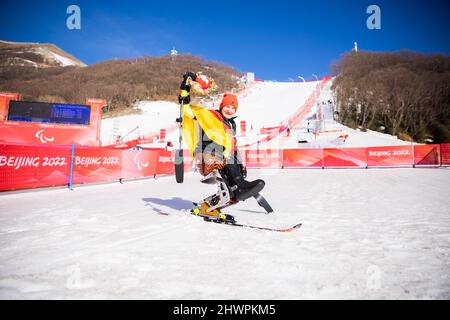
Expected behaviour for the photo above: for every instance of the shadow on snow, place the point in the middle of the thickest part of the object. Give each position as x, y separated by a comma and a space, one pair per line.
173, 203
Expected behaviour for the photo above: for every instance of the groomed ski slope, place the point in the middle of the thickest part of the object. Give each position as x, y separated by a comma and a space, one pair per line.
263, 104
269, 104
366, 234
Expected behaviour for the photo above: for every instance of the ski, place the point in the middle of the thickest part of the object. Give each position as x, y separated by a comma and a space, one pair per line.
282, 230
230, 221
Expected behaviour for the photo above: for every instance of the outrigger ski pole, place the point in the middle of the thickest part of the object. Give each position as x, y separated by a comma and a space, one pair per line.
179, 160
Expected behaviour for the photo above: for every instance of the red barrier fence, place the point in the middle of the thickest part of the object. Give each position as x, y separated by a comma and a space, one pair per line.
303, 158
375, 157
96, 165
30, 166
348, 157
427, 155
393, 156
445, 154
263, 158
24, 166
138, 163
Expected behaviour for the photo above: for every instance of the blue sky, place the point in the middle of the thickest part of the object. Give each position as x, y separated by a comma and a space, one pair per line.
275, 39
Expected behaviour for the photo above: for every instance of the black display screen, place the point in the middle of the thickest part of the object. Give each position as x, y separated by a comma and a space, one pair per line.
49, 112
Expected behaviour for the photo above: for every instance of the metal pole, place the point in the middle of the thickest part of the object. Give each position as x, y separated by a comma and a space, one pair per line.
323, 160
71, 167
180, 136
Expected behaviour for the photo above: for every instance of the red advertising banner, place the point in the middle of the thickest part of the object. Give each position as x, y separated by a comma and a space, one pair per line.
427, 155
445, 154
139, 163
30, 166
188, 160
96, 164
50, 133
302, 158
263, 158
345, 157
393, 156
165, 163
46, 133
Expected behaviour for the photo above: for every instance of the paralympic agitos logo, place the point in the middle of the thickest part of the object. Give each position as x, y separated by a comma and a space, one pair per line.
139, 162
44, 139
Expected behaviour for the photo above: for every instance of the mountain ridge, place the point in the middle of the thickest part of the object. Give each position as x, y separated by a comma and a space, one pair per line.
122, 82
39, 55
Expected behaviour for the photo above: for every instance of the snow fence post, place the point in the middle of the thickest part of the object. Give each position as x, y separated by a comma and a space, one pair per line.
367, 158
323, 160
71, 167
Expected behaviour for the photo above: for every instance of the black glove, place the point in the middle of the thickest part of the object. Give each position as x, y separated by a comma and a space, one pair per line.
184, 96
186, 88
189, 74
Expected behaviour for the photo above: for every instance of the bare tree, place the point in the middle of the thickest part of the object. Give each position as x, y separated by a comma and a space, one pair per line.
406, 93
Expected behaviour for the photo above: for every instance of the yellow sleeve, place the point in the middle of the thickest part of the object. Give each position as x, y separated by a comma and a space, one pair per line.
189, 132
212, 127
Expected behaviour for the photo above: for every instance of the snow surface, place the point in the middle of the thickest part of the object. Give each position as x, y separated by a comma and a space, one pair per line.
25, 62
270, 103
63, 60
155, 115
366, 234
